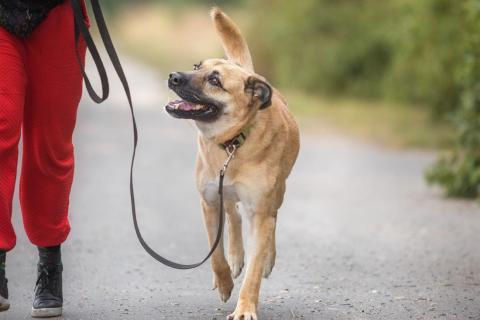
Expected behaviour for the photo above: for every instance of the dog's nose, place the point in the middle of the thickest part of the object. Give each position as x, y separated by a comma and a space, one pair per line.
176, 79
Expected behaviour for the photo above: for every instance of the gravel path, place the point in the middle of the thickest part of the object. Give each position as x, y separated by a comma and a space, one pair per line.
360, 235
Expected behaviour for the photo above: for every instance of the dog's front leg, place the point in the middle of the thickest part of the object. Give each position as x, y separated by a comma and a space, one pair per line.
222, 279
263, 231
235, 239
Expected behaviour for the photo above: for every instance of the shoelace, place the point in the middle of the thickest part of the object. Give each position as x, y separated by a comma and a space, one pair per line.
44, 280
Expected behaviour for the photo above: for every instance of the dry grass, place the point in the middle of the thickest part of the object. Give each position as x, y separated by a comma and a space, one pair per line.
167, 37
391, 125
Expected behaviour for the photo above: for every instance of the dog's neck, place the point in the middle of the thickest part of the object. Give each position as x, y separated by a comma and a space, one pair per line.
215, 134
222, 131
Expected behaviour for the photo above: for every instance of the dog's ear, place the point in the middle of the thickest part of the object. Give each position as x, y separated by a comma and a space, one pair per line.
234, 44
259, 91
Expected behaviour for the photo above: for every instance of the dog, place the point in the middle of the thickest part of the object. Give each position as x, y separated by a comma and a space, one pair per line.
237, 109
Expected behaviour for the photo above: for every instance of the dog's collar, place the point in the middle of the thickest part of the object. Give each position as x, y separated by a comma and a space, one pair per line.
237, 141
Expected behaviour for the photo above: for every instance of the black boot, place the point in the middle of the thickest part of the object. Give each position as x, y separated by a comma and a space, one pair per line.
4, 304
48, 299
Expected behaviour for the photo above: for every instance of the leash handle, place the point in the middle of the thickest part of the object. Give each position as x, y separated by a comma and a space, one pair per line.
82, 29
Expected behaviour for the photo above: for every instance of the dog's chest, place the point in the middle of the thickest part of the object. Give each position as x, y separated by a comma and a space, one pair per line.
210, 192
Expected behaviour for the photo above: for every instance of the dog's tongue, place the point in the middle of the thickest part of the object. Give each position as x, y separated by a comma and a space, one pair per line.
187, 106
182, 105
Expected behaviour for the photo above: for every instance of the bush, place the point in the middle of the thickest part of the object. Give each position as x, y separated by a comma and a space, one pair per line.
401, 50
459, 173
427, 48
323, 46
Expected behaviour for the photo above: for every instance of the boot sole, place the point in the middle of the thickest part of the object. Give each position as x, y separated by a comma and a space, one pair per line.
46, 312
4, 304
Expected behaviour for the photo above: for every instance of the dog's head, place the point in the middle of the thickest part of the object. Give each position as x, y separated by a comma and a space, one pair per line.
220, 94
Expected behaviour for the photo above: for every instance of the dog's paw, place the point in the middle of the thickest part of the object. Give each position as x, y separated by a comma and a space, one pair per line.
244, 312
269, 263
236, 262
224, 284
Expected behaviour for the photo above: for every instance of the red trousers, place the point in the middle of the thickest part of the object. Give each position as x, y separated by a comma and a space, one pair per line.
40, 88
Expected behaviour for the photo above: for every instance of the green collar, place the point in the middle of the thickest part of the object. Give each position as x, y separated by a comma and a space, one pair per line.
237, 141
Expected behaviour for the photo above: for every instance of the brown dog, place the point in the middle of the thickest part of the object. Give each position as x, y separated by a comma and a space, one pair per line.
231, 105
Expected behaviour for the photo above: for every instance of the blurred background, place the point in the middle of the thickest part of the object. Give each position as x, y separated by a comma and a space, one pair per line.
402, 73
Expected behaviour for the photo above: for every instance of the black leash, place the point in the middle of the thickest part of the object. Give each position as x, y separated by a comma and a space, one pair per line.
82, 29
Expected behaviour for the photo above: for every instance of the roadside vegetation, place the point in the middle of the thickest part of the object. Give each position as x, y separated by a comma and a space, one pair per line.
418, 53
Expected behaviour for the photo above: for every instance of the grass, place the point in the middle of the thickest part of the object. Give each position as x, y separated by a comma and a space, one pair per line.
173, 38
390, 125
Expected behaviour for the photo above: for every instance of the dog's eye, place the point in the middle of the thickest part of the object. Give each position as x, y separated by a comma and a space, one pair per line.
214, 81
196, 66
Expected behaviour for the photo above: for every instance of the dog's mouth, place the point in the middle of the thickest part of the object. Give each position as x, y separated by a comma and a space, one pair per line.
196, 110
185, 107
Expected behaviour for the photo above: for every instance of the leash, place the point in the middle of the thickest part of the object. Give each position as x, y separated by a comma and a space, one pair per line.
82, 29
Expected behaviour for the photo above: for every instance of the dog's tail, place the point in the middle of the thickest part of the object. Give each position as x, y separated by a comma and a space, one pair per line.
234, 44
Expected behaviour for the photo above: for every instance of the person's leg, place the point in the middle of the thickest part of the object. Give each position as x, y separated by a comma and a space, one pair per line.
54, 91
55, 87
12, 97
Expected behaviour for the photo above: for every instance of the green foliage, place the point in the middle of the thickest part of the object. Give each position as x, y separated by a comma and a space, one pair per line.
401, 50
427, 47
316, 45
459, 173
424, 53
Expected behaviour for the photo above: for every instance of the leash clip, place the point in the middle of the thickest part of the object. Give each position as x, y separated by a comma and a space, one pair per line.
230, 149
